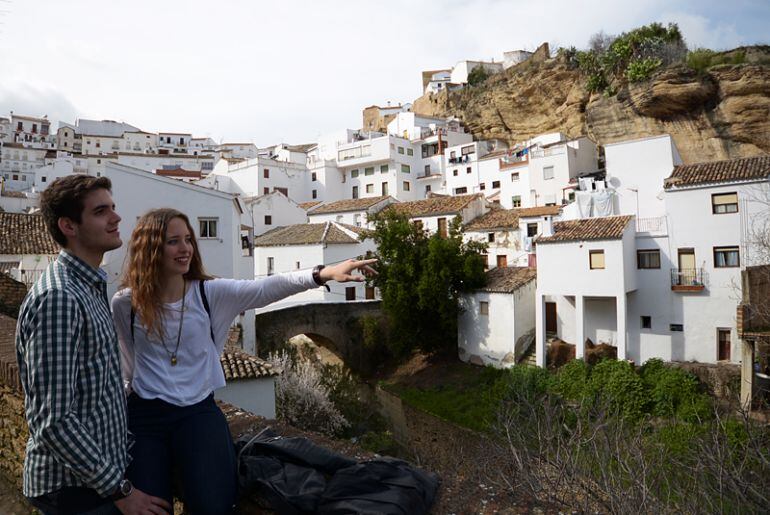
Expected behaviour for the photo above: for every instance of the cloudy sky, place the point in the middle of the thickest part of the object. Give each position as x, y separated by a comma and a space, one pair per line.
267, 72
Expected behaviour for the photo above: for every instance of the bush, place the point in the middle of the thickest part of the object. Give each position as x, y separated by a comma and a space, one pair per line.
641, 69
572, 380
477, 75
618, 384
701, 59
674, 392
301, 398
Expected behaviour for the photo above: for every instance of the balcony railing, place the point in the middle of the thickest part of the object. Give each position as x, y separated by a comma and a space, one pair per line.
651, 225
687, 279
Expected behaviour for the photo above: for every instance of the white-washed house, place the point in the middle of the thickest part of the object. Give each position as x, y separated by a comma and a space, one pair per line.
26, 248
436, 213
496, 322
250, 383
356, 212
499, 229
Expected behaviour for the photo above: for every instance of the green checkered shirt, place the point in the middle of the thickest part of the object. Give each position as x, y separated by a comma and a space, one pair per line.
69, 364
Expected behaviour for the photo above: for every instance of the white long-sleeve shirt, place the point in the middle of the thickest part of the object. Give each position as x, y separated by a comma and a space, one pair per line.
146, 365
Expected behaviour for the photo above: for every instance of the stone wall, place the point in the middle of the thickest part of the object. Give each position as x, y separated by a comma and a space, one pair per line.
12, 292
13, 434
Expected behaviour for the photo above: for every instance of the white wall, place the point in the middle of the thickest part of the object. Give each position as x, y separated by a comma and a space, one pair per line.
283, 212
256, 396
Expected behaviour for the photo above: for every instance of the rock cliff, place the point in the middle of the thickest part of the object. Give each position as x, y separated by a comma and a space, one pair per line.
721, 113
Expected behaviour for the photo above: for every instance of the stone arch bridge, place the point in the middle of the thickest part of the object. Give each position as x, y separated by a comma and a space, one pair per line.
334, 325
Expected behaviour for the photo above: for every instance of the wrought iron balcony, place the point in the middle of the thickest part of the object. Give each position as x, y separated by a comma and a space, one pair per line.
687, 279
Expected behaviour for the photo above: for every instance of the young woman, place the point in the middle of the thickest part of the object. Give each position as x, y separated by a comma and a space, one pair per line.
170, 348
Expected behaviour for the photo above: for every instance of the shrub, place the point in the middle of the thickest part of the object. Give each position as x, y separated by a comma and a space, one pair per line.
674, 392
618, 384
641, 69
572, 380
301, 399
477, 75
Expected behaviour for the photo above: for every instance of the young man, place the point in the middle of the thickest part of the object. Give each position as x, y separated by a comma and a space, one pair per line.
69, 364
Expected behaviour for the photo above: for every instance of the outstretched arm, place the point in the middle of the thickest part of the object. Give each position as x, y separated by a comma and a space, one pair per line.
343, 272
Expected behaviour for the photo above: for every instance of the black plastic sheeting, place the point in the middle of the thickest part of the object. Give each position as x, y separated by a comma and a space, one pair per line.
296, 476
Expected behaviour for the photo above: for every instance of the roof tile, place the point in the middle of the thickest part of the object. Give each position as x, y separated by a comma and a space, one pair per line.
237, 364
307, 234
604, 228
505, 279
538, 211
435, 205
21, 233
495, 219
746, 168
339, 206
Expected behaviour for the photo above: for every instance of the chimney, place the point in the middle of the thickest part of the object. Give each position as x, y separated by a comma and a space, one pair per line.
547, 225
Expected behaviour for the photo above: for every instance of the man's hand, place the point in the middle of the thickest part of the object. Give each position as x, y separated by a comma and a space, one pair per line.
343, 272
139, 503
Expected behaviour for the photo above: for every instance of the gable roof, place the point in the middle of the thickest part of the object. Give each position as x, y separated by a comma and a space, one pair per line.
743, 169
308, 205
600, 228
237, 364
308, 234
21, 233
495, 219
525, 212
504, 279
435, 205
340, 206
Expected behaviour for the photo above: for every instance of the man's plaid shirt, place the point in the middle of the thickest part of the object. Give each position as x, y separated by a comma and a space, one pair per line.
69, 364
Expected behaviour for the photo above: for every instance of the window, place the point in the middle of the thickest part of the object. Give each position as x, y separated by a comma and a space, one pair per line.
452, 154
724, 203
676, 327
350, 293
355, 191
268, 220
467, 150
531, 230
266, 173
384, 189
427, 169
357, 220
483, 308
315, 194
442, 227
482, 186
353, 173
461, 191
265, 191
723, 344
383, 168
313, 177
270, 266
369, 293
427, 189
547, 172
370, 188
646, 322
516, 200
400, 150
495, 185
208, 227
491, 237
726, 257
296, 265
454, 172
515, 176
42, 179
409, 152
405, 169
647, 259
468, 170
407, 186
596, 259
369, 171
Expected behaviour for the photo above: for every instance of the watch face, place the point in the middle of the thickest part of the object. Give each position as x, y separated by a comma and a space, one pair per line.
125, 487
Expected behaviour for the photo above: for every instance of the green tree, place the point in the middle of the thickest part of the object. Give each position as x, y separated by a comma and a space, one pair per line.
420, 279
477, 75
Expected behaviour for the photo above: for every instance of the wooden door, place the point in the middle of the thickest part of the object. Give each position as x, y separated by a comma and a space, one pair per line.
442, 228
502, 261
723, 344
686, 259
550, 317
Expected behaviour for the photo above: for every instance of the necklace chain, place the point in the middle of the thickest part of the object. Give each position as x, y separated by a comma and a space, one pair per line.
172, 355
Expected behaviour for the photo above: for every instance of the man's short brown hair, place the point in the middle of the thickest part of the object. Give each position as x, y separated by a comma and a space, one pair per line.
63, 198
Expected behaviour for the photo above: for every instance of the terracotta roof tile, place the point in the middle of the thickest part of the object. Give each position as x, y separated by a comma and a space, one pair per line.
308, 205
237, 364
746, 168
538, 211
495, 219
604, 228
436, 205
21, 233
505, 279
339, 206
307, 234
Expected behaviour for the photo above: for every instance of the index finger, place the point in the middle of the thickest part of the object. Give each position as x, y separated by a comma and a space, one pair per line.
159, 501
365, 262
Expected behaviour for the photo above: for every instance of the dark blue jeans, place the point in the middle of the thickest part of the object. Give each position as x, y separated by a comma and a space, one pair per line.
72, 500
193, 443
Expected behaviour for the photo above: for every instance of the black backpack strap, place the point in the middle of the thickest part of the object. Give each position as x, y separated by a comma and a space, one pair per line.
133, 319
205, 301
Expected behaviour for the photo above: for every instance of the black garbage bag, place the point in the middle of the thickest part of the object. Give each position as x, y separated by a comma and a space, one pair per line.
296, 476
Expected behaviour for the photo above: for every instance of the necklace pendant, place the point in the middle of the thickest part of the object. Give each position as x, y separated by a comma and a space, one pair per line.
173, 361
